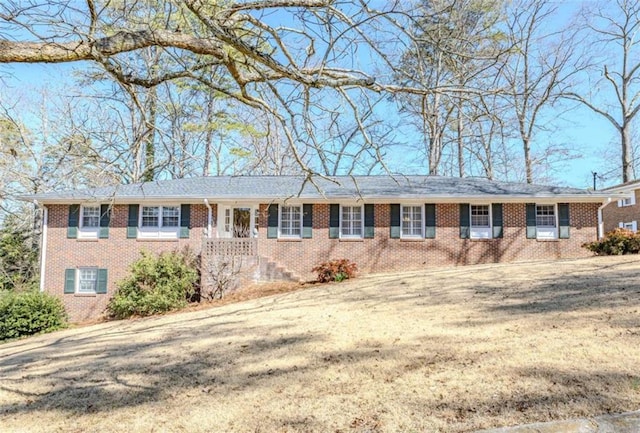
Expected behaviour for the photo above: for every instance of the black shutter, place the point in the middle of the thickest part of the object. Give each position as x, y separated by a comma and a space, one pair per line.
73, 222
185, 220
465, 229
497, 222
369, 221
563, 220
105, 219
334, 221
132, 221
430, 221
272, 221
531, 221
69, 281
394, 221
101, 286
307, 221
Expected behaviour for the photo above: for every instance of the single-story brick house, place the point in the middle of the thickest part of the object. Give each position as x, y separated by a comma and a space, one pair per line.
289, 225
623, 212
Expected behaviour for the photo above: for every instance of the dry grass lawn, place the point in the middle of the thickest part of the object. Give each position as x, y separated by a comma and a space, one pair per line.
446, 350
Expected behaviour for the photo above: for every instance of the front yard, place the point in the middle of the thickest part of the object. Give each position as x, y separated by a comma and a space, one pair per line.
446, 350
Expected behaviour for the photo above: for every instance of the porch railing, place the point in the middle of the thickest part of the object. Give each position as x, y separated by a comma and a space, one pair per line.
231, 247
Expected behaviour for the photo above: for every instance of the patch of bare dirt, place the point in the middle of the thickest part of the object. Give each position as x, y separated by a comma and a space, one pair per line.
444, 350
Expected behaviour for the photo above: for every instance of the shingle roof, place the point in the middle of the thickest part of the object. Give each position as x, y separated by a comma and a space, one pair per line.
317, 188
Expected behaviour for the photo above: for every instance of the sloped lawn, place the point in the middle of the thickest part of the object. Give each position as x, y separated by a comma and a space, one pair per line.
447, 350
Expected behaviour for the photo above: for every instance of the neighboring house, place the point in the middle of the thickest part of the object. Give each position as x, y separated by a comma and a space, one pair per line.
622, 212
287, 226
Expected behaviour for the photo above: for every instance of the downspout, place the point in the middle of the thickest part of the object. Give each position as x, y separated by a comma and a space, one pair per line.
600, 221
206, 203
43, 244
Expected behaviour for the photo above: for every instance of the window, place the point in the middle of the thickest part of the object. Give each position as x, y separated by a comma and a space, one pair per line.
633, 226
291, 221
411, 222
170, 216
480, 216
87, 280
545, 215
227, 220
159, 222
627, 201
90, 217
480, 221
151, 216
351, 222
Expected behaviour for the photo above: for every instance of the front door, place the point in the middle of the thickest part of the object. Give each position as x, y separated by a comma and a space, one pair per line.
241, 222
237, 221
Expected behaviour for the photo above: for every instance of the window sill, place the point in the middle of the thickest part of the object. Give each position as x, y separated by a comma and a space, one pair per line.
85, 295
87, 239
412, 239
481, 239
172, 239
351, 239
547, 240
289, 239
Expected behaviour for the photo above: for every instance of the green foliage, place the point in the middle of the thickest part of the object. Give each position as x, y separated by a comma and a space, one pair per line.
616, 242
335, 270
18, 258
158, 283
28, 313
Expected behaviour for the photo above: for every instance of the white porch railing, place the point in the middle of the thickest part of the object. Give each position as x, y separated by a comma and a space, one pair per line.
230, 247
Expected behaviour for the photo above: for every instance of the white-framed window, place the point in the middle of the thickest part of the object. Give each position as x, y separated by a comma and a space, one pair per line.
290, 221
227, 220
160, 217
546, 221
632, 225
159, 222
627, 201
87, 280
89, 224
351, 222
170, 216
545, 215
480, 218
411, 221
90, 217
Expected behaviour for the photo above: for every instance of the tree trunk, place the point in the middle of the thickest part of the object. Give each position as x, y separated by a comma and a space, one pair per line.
627, 163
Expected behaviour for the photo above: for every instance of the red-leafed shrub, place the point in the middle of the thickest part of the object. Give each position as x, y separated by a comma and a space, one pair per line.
335, 270
616, 242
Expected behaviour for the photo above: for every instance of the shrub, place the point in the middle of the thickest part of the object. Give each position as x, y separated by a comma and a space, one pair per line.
28, 313
615, 242
158, 283
335, 270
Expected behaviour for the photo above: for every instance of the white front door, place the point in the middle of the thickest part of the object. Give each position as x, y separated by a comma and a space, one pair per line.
237, 221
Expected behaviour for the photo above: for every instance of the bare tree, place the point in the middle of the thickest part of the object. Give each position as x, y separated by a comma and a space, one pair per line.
455, 45
236, 49
537, 74
613, 91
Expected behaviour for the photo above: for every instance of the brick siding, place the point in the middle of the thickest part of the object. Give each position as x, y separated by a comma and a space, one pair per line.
380, 254
612, 215
114, 254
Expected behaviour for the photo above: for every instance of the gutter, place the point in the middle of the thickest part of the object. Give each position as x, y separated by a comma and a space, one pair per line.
600, 221
43, 244
206, 203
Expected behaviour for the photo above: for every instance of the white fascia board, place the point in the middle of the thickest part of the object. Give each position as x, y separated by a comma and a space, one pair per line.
489, 198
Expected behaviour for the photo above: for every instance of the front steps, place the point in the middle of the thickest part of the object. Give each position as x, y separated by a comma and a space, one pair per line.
271, 271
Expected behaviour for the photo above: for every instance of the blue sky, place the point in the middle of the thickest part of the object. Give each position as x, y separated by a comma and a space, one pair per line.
588, 134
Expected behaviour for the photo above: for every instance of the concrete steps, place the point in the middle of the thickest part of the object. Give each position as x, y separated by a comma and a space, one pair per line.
272, 271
